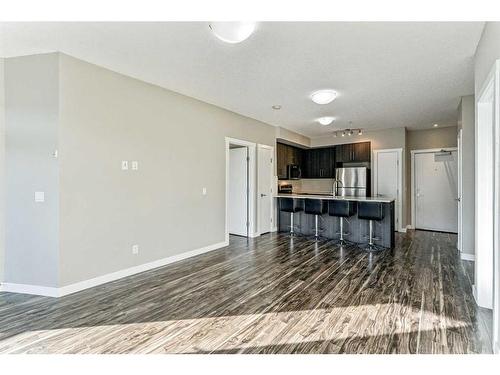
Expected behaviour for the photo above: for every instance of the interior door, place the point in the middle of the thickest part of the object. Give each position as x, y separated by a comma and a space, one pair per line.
238, 191
436, 191
264, 170
387, 178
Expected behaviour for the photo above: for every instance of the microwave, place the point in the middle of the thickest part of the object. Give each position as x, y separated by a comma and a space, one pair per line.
293, 172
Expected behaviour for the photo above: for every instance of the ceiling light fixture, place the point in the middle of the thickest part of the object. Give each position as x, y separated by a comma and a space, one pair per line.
327, 120
360, 132
277, 107
436, 125
323, 96
343, 134
232, 32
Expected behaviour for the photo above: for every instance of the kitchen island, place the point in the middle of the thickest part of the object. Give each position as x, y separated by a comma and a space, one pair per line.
330, 225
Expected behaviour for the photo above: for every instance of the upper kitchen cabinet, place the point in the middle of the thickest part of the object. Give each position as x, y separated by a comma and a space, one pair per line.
353, 153
285, 155
319, 163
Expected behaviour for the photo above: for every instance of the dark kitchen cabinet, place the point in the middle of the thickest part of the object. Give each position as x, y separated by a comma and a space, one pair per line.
353, 152
319, 163
285, 155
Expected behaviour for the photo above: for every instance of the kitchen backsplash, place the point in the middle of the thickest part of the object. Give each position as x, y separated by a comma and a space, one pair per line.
323, 185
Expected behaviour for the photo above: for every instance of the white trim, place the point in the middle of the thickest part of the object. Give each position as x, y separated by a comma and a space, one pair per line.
273, 187
30, 289
412, 171
76, 287
465, 256
252, 189
409, 226
399, 151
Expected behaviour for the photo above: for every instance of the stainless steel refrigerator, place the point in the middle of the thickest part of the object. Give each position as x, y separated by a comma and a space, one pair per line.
352, 182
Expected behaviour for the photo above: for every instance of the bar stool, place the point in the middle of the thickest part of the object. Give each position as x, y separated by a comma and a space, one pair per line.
315, 207
292, 206
341, 209
372, 211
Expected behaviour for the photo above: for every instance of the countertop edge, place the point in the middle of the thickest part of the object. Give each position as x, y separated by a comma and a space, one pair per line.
327, 197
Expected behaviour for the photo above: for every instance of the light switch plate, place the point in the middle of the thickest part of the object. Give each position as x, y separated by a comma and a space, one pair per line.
204, 191
135, 249
135, 165
124, 165
39, 196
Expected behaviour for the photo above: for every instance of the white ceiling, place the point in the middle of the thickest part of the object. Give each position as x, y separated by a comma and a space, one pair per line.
387, 74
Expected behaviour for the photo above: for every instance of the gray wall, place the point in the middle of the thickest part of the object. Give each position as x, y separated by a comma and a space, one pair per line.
466, 117
2, 170
179, 142
487, 52
31, 100
423, 139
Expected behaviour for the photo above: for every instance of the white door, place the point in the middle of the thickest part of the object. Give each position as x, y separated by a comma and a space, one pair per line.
238, 191
436, 191
388, 178
265, 170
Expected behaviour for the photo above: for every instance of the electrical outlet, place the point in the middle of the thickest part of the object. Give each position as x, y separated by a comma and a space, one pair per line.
124, 165
135, 249
135, 165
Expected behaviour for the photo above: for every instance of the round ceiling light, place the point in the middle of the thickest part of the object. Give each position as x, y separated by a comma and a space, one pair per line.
232, 32
326, 120
276, 107
323, 96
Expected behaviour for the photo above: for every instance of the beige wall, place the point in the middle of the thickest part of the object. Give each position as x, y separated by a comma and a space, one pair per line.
290, 136
180, 145
421, 140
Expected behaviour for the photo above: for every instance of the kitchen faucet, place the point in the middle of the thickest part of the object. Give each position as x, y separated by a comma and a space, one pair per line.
335, 186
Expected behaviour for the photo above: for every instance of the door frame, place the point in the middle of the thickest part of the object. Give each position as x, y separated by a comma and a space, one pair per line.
272, 182
487, 203
460, 189
412, 167
252, 189
399, 209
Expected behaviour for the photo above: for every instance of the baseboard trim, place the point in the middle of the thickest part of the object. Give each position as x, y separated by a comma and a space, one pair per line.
409, 226
82, 285
465, 256
274, 229
30, 289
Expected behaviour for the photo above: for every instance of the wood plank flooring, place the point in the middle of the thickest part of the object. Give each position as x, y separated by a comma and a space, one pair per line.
272, 294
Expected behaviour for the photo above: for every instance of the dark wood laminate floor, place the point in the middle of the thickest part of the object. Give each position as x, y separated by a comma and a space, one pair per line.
268, 295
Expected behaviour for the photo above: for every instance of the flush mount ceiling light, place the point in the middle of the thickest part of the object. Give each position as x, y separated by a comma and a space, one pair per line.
327, 120
323, 96
232, 32
435, 125
276, 107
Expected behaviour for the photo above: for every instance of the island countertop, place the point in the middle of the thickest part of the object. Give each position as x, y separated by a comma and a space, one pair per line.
331, 197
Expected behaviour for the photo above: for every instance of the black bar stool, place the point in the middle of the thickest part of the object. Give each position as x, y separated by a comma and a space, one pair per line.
292, 206
372, 211
341, 209
315, 207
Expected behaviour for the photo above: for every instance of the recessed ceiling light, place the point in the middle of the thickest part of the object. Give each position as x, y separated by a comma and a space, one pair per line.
276, 107
327, 120
436, 125
232, 32
323, 96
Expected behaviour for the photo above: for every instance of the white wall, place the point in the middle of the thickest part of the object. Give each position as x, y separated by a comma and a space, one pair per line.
2, 170
32, 109
179, 142
466, 117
